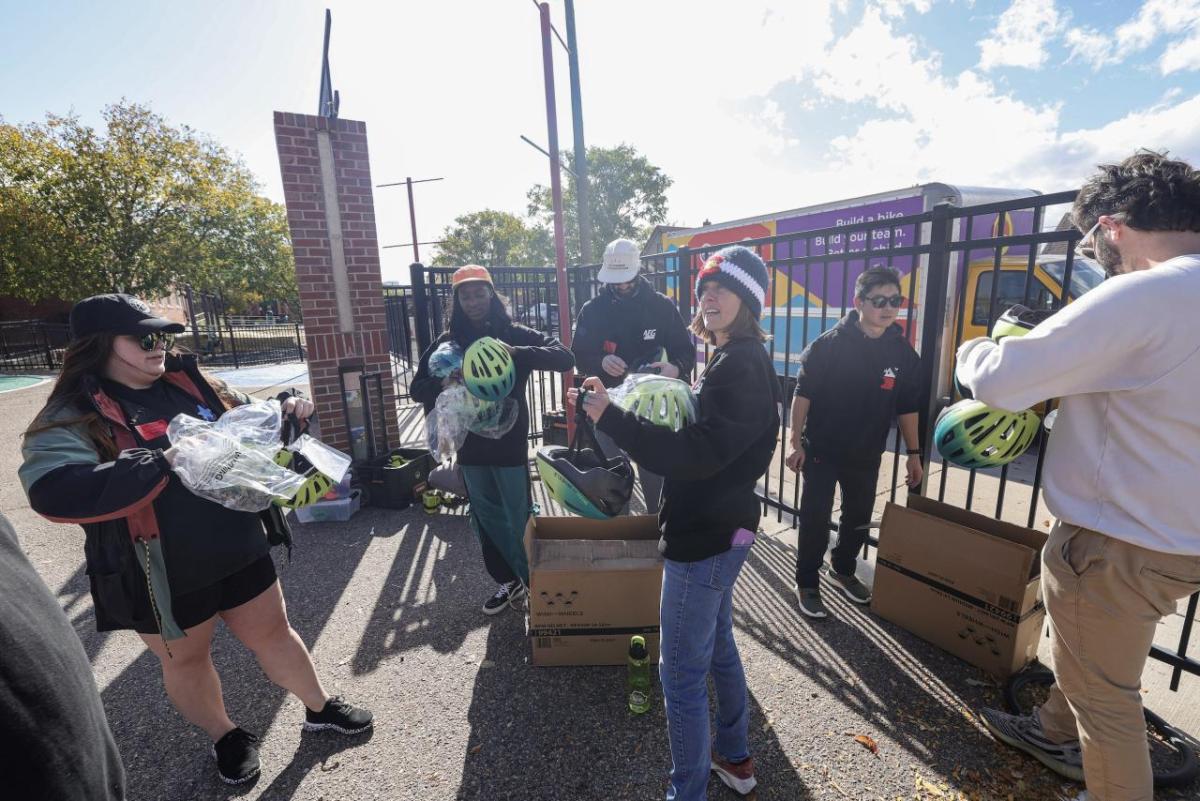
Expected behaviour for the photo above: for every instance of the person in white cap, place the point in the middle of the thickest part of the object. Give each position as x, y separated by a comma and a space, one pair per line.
630, 328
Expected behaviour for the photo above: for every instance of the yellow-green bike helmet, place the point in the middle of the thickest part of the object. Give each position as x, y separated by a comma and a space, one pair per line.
974, 435
488, 369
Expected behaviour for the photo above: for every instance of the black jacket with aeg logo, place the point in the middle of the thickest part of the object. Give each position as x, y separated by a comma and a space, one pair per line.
636, 329
856, 386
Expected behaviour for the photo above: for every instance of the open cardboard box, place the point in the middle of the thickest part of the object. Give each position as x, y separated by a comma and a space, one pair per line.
593, 585
967, 583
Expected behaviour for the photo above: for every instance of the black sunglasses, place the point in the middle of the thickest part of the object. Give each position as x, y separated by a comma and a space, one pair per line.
150, 341
879, 301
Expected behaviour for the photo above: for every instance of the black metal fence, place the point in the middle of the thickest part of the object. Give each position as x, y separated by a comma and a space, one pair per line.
961, 267
32, 346
245, 345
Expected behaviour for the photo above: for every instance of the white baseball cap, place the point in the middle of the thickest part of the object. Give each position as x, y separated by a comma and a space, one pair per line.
621, 262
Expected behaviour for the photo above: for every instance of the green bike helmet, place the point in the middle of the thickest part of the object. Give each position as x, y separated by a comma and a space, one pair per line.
316, 484
1018, 321
488, 369
583, 483
974, 435
663, 401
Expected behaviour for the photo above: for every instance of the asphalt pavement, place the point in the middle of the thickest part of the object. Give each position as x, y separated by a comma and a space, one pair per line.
389, 604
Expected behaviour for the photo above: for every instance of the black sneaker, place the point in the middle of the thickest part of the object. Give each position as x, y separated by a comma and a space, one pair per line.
237, 757
1025, 732
339, 716
505, 595
810, 602
854, 589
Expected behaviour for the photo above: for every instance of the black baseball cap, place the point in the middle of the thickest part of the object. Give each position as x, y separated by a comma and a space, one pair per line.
118, 314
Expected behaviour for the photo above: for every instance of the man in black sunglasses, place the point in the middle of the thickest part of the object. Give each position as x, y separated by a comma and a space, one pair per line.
854, 379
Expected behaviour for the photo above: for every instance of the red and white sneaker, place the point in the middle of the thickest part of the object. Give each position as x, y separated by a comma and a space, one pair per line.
738, 777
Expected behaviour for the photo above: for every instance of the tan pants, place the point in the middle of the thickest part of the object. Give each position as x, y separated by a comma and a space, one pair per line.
1104, 598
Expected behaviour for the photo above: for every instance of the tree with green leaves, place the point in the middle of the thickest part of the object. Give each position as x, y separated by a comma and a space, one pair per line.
491, 239
628, 197
141, 207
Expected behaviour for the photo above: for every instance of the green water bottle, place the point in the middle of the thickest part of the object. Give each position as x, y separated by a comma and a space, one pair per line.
639, 675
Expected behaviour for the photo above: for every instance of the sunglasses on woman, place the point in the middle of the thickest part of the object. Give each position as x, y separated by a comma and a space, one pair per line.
879, 301
150, 342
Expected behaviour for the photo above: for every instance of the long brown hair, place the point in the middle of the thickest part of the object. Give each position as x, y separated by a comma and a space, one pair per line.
745, 325
85, 356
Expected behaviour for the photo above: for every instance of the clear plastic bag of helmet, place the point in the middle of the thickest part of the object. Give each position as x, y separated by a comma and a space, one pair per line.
232, 461
664, 401
457, 413
329, 461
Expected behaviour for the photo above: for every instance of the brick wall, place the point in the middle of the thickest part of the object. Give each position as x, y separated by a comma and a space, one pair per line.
330, 347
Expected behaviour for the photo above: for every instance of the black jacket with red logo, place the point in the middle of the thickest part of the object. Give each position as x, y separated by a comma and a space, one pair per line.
856, 386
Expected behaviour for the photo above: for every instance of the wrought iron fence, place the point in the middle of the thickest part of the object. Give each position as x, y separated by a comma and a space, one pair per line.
402, 337
245, 346
960, 267
32, 346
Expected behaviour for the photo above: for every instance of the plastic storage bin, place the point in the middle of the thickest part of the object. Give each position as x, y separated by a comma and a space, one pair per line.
338, 511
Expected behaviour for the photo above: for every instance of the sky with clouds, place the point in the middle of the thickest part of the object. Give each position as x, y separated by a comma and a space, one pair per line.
751, 107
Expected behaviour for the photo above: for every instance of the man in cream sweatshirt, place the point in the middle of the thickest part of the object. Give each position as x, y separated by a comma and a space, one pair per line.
1122, 467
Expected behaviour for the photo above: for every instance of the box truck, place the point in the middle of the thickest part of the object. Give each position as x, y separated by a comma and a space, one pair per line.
808, 299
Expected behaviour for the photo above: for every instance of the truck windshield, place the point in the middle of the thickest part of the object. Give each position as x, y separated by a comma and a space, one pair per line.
1085, 274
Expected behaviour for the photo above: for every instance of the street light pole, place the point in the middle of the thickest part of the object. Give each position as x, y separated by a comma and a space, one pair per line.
560, 251
582, 190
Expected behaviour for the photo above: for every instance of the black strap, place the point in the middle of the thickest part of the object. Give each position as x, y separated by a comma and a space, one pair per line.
584, 427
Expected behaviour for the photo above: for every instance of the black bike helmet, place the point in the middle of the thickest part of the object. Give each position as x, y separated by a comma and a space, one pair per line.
1018, 321
584, 480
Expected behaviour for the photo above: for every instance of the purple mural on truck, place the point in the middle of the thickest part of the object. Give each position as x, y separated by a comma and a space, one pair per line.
830, 282
824, 279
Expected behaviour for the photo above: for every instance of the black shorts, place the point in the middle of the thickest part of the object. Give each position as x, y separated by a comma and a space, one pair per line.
193, 608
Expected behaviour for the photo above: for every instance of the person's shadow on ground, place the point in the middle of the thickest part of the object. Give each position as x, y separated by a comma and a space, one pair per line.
548, 733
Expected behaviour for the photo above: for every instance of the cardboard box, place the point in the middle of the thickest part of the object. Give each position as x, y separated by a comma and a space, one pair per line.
593, 585
965, 582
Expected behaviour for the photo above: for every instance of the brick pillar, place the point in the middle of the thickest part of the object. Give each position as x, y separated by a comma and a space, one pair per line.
331, 214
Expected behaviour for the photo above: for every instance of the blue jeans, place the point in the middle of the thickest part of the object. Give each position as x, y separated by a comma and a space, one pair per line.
696, 619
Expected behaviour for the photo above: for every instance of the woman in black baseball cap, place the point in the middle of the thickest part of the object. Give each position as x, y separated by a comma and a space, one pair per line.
163, 561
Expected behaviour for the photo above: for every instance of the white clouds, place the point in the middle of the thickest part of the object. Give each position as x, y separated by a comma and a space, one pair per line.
1091, 46
1155, 19
956, 128
1174, 128
1181, 55
895, 8
961, 128
1021, 36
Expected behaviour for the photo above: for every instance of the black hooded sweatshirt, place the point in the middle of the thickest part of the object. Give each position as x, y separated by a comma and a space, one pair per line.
856, 387
710, 467
636, 329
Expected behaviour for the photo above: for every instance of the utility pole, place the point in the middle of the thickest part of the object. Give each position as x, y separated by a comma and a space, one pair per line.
412, 209
582, 190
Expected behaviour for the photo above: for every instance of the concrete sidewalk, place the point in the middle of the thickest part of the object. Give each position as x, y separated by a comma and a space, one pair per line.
389, 605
